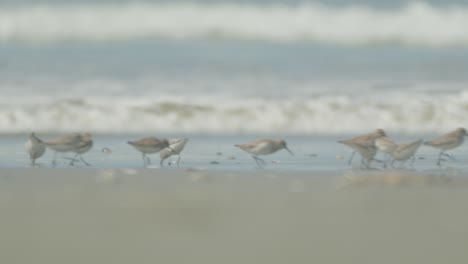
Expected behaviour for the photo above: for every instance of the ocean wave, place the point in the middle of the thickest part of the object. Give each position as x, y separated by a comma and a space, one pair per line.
417, 23
327, 114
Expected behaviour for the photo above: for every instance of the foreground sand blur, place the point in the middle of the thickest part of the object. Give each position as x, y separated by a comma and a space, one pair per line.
171, 216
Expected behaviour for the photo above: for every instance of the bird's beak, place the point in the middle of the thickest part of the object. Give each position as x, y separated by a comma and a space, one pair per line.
290, 152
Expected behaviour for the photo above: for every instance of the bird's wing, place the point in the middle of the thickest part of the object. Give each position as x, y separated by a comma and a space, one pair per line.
445, 139
149, 141
70, 139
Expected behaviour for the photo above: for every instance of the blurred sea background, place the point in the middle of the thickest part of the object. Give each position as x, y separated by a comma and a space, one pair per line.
289, 67
223, 73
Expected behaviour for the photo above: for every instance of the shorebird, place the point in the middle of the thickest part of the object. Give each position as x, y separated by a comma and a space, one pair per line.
83, 146
448, 141
385, 145
149, 145
66, 143
35, 148
264, 147
364, 145
366, 150
176, 145
405, 151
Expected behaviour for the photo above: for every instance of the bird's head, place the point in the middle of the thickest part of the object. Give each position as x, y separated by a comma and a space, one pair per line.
284, 145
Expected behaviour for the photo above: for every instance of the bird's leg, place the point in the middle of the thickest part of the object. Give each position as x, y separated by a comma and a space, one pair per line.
260, 166
351, 158
367, 163
260, 162
72, 160
178, 160
449, 156
82, 160
34, 164
161, 163
256, 161
54, 160
413, 159
440, 158
143, 156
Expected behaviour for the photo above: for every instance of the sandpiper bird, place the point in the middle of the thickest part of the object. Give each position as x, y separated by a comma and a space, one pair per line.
385, 145
66, 143
83, 146
264, 147
367, 151
35, 148
149, 145
176, 145
448, 141
364, 145
405, 151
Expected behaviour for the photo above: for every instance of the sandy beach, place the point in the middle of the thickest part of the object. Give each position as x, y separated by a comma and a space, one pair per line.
286, 80
210, 216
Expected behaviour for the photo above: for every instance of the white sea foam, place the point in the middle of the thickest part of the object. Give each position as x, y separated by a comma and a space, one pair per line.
328, 114
418, 23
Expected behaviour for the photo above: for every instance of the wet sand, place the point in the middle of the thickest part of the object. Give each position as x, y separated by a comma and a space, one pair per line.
208, 216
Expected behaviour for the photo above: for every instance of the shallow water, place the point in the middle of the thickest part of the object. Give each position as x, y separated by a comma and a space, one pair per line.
311, 153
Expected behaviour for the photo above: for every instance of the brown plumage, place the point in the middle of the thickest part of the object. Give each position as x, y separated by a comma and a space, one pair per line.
264, 147
405, 151
448, 141
65, 143
385, 145
364, 139
364, 145
83, 146
149, 145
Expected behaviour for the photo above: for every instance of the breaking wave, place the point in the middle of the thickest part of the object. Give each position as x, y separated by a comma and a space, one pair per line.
417, 23
326, 114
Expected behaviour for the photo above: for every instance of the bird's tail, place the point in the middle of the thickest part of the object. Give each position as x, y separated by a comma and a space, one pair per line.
131, 143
